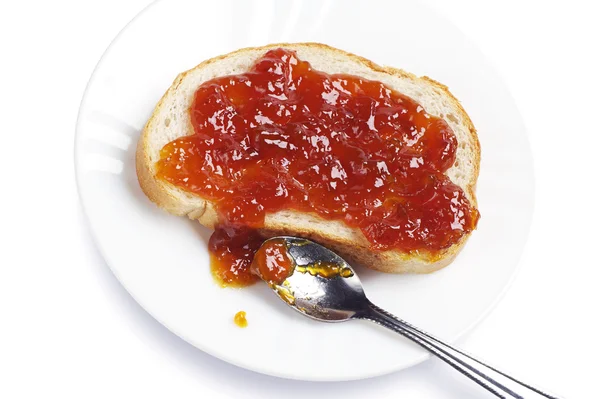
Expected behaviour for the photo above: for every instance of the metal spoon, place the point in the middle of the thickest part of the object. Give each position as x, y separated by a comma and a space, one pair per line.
324, 287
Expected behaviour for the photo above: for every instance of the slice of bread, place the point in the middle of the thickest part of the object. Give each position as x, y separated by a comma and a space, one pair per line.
171, 120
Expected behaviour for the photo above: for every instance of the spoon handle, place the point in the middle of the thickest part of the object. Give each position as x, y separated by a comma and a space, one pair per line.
491, 379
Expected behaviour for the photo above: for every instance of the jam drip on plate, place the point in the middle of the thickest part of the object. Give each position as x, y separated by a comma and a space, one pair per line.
286, 136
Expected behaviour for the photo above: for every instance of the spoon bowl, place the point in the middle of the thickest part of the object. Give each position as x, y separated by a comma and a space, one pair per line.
323, 285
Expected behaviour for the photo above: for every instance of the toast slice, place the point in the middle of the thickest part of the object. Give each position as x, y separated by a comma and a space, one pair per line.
170, 120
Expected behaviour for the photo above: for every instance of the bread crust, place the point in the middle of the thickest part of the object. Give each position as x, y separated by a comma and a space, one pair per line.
351, 244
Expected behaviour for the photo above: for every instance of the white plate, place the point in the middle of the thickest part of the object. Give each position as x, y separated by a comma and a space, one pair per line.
162, 259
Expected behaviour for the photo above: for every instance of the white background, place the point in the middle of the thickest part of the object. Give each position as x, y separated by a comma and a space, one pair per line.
68, 329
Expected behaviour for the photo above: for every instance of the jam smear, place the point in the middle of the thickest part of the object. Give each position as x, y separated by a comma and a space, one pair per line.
286, 136
272, 262
325, 270
232, 250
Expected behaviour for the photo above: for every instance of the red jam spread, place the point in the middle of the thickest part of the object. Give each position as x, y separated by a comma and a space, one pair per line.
272, 262
286, 136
